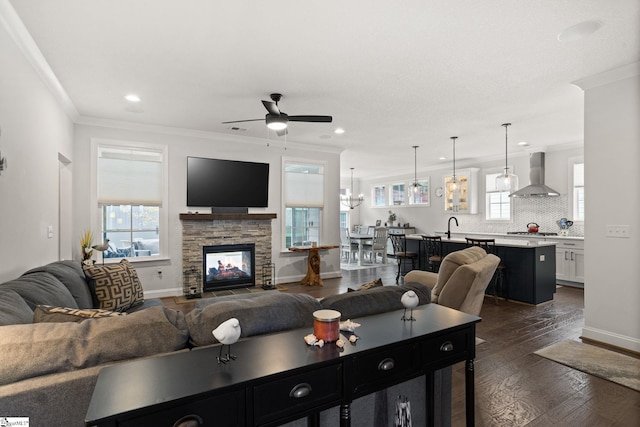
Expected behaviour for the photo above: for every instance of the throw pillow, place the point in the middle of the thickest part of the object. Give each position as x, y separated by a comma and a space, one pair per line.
116, 286
47, 313
372, 284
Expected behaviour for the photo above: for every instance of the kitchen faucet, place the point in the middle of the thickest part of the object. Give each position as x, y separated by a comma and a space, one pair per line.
449, 226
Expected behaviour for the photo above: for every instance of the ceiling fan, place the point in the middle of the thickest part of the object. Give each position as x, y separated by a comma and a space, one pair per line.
278, 120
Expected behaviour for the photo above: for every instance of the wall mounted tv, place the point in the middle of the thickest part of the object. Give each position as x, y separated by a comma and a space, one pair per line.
227, 185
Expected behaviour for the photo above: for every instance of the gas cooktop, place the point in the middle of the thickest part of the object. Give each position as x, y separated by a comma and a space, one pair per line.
526, 233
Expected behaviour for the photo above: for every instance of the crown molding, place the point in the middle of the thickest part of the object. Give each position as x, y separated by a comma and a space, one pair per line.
611, 76
23, 40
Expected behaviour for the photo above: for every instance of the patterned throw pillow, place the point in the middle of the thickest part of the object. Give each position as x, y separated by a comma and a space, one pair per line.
116, 286
372, 284
47, 313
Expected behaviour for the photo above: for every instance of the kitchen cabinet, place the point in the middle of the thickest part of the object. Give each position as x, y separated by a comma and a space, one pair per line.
570, 262
468, 202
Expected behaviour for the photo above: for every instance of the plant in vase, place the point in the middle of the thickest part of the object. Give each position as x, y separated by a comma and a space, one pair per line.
85, 244
392, 218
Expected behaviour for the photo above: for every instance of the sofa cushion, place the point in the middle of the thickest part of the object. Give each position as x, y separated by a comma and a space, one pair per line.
116, 286
352, 305
13, 309
369, 285
47, 313
70, 274
28, 351
263, 314
41, 288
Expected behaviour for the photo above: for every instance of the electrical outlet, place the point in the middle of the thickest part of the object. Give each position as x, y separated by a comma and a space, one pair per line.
50, 232
619, 231
542, 258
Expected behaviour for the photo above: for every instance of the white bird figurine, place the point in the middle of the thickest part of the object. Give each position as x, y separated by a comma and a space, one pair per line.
101, 247
409, 300
227, 333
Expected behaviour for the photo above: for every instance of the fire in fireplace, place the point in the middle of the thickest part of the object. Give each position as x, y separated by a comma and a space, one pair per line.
228, 266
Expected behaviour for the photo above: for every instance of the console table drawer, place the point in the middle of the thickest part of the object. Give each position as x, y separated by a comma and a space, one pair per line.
442, 350
225, 410
297, 393
375, 370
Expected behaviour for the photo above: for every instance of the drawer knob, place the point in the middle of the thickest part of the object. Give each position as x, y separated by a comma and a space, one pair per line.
299, 391
386, 365
446, 346
189, 421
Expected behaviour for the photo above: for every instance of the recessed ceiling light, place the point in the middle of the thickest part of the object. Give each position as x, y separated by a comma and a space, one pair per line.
579, 31
339, 131
523, 143
132, 97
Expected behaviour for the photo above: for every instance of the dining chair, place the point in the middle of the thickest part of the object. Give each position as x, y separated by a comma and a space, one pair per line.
399, 243
433, 252
347, 248
489, 245
378, 245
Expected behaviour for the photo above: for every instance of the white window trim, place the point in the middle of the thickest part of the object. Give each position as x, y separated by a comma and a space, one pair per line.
493, 171
283, 202
95, 212
390, 201
385, 192
570, 163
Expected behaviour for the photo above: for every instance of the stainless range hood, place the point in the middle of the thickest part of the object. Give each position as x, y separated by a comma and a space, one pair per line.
536, 187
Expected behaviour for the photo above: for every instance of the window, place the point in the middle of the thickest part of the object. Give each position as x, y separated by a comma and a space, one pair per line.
577, 189
421, 196
498, 203
344, 220
303, 203
378, 196
131, 187
397, 194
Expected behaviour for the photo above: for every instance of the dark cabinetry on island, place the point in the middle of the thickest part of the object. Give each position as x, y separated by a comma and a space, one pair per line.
530, 274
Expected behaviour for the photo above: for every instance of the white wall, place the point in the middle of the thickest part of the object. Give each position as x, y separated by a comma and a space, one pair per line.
34, 131
612, 136
181, 143
429, 219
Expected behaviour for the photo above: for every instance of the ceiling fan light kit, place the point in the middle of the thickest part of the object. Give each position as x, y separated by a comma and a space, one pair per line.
278, 120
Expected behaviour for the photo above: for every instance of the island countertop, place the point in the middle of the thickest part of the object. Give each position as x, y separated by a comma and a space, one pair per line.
508, 242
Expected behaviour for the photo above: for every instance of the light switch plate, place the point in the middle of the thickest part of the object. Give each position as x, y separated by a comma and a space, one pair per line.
620, 231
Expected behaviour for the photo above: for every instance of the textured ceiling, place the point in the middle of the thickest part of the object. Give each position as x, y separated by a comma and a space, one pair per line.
392, 74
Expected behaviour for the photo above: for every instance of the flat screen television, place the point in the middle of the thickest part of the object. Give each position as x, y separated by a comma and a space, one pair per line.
227, 184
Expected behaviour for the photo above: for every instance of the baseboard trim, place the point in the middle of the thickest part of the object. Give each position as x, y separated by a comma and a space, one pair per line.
603, 337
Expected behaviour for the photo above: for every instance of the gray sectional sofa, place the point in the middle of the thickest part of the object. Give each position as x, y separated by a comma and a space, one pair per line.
49, 367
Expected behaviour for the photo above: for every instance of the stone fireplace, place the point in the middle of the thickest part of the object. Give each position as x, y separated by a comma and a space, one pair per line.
200, 230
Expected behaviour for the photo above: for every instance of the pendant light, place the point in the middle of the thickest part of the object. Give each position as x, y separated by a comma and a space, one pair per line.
506, 181
415, 170
348, 200
453, 185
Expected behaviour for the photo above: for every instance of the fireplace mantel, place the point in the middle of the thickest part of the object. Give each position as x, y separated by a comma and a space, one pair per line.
226, 216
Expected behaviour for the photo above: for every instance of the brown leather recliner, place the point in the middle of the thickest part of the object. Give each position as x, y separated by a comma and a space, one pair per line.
461, 281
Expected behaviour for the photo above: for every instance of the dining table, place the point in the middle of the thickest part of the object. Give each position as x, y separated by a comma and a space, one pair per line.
362, 239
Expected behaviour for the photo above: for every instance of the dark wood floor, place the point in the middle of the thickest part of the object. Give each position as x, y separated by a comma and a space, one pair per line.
513, 386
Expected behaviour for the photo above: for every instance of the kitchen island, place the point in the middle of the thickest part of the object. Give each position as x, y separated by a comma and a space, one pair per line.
530, 275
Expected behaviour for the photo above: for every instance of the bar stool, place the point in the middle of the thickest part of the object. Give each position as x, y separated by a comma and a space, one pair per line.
399, 243
433, 252
489, 245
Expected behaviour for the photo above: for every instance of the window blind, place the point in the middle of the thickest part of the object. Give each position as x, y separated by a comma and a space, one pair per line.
304, 187
129, 176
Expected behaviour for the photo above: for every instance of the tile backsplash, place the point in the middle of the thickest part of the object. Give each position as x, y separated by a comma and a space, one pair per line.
544, 211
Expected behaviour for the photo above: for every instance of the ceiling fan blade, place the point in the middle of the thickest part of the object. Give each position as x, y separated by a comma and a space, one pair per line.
282, 132
240, 121
271, 107
316, 119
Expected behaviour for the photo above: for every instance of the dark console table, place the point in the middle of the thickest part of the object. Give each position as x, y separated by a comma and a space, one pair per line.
277, 378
